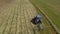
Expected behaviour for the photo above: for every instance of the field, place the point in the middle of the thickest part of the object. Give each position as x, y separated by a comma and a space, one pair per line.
51, 8
15, 17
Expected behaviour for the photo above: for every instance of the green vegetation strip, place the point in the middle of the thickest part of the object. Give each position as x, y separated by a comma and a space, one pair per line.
51, 23
51, 9
47, 18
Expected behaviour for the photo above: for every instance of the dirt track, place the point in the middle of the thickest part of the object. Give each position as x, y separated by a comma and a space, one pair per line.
15, 17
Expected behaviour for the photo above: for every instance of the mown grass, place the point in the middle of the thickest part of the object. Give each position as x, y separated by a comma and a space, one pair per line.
48, 29
51, 8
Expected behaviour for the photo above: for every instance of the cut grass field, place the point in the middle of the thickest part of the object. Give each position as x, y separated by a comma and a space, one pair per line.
15, 18
51, 8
